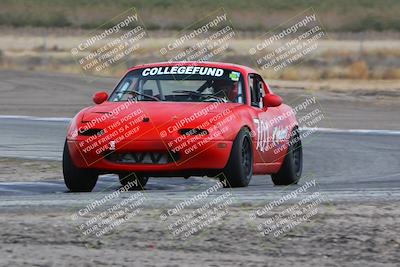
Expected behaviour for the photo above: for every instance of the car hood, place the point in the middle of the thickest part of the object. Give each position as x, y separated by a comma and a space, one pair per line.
157, 112
157, 117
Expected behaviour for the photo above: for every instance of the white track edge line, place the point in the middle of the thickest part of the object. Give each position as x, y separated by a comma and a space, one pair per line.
321, 130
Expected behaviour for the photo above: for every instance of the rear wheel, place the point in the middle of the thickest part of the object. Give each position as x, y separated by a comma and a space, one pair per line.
136, 182
77, 179
292, 165
239, 169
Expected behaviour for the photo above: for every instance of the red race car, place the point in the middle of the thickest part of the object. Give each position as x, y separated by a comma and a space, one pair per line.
184, 119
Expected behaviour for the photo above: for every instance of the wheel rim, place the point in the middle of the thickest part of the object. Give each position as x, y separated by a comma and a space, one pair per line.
246, 156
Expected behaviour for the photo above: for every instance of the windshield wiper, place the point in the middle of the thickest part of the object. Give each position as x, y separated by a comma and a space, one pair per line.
134, 92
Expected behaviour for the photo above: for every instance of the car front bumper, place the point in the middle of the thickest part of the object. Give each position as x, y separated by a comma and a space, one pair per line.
212, 155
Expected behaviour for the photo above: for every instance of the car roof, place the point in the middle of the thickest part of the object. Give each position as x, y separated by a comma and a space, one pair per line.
197, 63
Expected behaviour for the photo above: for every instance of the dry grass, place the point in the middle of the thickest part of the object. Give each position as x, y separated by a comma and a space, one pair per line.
392, 74
358, 70
334, 59
290, 74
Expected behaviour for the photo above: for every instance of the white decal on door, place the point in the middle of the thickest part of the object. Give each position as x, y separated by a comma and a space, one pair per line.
263, 135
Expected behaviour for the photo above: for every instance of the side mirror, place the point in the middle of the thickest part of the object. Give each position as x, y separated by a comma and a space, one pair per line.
100, 97
271, 100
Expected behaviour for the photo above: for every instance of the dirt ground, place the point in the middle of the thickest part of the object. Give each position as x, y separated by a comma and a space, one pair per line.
23, 170
341, 234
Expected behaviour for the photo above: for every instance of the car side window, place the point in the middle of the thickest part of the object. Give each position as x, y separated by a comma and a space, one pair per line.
261, 90
257, 90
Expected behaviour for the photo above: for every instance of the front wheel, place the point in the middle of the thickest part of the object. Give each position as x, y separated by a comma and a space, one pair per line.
292, 166
239, 169
77, 179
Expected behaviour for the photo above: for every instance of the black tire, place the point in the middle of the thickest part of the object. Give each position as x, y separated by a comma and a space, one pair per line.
77, 179
292, 167
127, 177
239, 169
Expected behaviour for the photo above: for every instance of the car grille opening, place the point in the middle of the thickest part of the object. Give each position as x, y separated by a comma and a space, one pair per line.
143, 157
91, 132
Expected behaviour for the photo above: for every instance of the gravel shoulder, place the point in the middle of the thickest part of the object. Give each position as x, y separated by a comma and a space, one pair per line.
341, 234
25, 170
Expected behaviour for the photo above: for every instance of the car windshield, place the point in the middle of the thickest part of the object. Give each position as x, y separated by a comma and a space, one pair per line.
181, 84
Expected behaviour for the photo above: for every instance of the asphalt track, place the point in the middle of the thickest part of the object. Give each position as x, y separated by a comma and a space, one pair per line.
346, 165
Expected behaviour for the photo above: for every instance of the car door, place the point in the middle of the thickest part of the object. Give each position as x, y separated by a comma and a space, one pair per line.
266, 122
